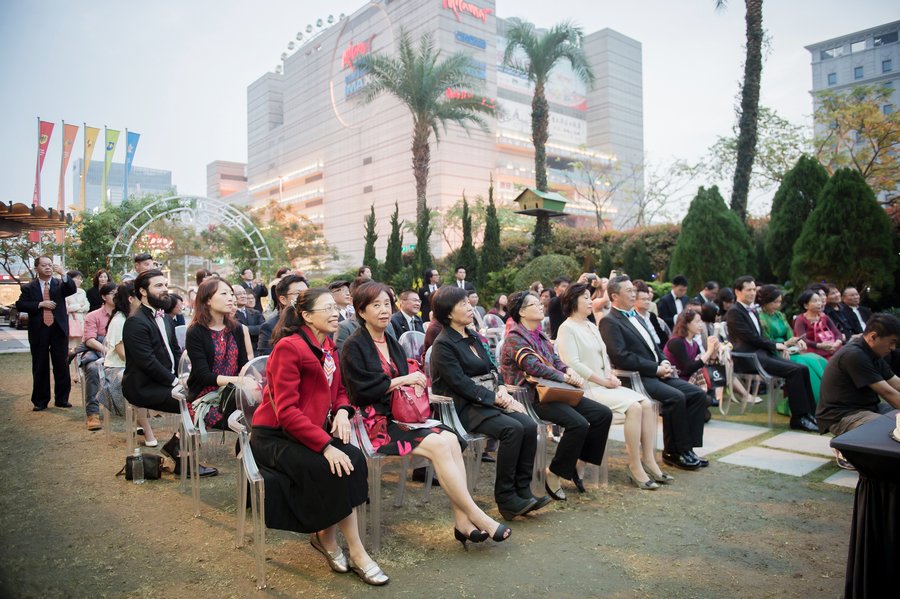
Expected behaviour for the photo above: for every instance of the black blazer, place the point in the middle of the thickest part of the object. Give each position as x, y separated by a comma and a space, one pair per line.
149, 373
661, 331
852, 320
452, 367
667, 310
32, 294
200, 350
425, 296
94, 298
257, 290
253, 320
364, 379
555, 316
626, 346
742, 332
400, 325
839, 318
263, 345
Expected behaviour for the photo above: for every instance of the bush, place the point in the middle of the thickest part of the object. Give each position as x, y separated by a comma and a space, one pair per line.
502, 281
660, 288
546, 268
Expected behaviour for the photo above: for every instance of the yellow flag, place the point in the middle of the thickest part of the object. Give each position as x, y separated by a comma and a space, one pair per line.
90, 138
112, 137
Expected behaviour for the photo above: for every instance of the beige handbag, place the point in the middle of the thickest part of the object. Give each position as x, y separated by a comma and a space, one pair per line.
549, 391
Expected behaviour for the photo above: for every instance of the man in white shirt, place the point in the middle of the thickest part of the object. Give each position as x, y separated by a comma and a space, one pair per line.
855, 314
461, 281
407, 318
478, 313
672, 304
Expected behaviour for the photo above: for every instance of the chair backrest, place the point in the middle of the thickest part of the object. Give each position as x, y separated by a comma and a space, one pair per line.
184, 368
492, 321
250, 397
412, 343
427, 364
181, 334
545, 325
359, 438
497, 351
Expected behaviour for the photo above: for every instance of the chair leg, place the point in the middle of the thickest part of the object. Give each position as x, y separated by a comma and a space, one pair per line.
258, 504
429, 477
375, 503
401, 481
130, 426
241, 509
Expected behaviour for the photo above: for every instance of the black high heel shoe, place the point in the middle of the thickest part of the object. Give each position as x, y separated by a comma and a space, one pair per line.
502, 533
579, 483
476, 536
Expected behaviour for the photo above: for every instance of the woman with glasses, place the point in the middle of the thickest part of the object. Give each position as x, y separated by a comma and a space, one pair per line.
373, 365
301, 431
528, 352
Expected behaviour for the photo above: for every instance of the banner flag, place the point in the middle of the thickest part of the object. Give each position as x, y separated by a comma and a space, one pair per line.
112, 137
90, 140
131, 142
45, 130
70, 132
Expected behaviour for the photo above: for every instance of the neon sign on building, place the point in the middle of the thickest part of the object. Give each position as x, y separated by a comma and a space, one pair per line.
461, 6
354, 51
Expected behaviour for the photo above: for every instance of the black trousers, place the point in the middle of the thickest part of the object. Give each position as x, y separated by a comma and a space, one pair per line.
796, 381
683, 411
586, 429
156, 397
517, 434
49, 344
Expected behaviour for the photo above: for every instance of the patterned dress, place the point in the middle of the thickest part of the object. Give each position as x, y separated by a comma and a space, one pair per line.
225, 363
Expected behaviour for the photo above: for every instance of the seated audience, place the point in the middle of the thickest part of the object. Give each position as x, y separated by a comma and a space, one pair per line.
820, 335
373, 366
90, 361
247, 316
581, 347
527, 352
407, 317
293, 438
693, 363
463, 368
855, 314
709, 293
124, 304
833, 310
631, 347
745, 333
499, 308
477, 311
176, 306
287, 290
642, 304
340, 291
349, 326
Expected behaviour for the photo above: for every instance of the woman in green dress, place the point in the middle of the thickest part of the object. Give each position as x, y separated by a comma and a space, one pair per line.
775, 327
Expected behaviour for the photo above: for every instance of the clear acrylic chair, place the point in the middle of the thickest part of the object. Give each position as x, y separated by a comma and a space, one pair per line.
539, 476
189, 446
248, 475
633, 380
412, 343
181, 335
751, 375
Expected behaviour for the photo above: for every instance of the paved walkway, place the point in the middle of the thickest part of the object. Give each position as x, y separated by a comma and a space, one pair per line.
11, 340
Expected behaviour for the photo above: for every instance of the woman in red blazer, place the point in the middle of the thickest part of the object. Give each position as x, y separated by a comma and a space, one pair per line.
301, 430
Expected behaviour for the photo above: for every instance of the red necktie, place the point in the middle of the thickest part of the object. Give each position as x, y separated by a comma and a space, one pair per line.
48, 314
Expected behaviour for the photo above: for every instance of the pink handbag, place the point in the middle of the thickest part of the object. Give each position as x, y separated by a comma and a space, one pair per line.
410, 403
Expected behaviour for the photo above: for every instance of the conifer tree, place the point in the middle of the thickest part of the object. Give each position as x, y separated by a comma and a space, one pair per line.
393, 259
371, 237
422, 257
714, 244
466, 257
847, 239
793, 202
491, 258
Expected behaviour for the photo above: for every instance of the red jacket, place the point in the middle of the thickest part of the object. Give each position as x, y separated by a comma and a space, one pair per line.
297, 385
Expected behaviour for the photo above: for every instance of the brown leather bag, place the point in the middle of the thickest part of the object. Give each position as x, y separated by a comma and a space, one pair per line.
549, 391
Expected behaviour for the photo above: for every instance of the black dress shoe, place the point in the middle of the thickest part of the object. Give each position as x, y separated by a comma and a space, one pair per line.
488, 458
204, 470
804, 423
682, 460
579, 483
539, 502
418, 476
702, 461
38, 408
63, 405
516, 507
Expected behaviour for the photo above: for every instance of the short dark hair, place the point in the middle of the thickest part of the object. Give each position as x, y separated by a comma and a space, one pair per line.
335, 285
174, 298
679, 281
458, 268
74, 273
107, 289
768, 294
725, 295
568, 301
142, 282
37, 261
741, 281
406, 293
615, 285
141, 257
806, 296
817, 287
640, 286
709, 311
367, 293
444, 300
711, 285
285, 284
883, 325
514, 304
560, 280
361, 270
831, 286
471, 292
694, 302
246, 269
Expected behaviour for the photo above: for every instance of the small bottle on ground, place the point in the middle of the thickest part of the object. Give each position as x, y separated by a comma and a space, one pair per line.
137, 467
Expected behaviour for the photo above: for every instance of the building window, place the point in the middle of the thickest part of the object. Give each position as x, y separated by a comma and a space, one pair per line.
367, 160
887, 66
887, 109
313, 178
887, 38
367, 189
831, 53
832, 78
857, 72
857, 47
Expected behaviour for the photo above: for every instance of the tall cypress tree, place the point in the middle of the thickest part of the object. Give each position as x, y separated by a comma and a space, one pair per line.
848, 239
393, 259
467, 258
422, 256
491, 259
371, 237
713, 244
793, 202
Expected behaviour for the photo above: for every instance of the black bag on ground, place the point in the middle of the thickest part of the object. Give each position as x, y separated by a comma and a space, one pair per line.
152, 466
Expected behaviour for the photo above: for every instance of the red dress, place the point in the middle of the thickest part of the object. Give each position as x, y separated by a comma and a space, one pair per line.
225, 363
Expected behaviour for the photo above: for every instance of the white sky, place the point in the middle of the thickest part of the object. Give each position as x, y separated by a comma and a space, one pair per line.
177, 71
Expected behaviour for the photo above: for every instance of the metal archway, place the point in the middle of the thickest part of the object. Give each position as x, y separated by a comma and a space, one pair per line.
191, 211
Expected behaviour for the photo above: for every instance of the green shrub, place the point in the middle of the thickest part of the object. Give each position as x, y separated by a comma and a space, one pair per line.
546, 268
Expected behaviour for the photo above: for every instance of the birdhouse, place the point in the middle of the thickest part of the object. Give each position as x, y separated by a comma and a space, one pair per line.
534, 202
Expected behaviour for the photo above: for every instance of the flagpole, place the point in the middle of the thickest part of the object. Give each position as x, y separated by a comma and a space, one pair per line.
61, 233
36, 201
103, 183
125, 169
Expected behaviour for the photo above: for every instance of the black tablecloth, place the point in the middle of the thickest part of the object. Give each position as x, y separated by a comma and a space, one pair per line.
873, 563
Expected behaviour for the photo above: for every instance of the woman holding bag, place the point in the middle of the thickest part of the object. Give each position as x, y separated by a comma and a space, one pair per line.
324, 476
527, 353
463, 368
374, 366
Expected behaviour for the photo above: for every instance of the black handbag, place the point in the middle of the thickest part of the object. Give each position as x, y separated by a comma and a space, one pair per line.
152, 466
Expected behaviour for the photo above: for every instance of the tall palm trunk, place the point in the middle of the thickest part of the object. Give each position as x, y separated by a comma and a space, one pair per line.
540, 114
421, 152
746, 149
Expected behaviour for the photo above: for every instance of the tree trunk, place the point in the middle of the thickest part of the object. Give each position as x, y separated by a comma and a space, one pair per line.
421, 152
542, 235
746, 150
540, 114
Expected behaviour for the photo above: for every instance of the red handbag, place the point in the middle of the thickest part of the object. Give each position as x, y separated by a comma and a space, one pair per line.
409, 403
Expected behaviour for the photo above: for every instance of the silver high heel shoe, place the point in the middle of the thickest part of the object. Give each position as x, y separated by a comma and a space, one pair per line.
371, 575
336, 559
650, 485
662, 478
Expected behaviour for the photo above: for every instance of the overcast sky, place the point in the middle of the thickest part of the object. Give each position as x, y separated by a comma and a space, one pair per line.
177, 71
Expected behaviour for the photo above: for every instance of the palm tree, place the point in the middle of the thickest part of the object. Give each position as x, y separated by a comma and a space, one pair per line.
746, 148
420, 80
542, 52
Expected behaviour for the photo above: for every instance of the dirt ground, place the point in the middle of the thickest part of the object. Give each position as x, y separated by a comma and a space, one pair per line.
70, 528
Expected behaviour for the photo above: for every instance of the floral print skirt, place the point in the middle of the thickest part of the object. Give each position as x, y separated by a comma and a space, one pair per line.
390, 438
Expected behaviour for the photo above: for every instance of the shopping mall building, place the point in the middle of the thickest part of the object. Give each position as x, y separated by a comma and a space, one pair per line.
313, 145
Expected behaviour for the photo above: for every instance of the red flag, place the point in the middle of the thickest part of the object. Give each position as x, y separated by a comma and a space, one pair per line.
45, 129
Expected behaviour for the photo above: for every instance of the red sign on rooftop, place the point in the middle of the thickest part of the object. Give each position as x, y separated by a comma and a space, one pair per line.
461, 6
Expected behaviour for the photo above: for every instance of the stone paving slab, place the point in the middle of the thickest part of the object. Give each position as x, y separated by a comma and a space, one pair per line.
717, 435
784, 462
844, 478
802, 442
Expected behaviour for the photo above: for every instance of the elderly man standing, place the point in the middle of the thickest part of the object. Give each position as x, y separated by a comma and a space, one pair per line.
255, 287
142, 263
44, 300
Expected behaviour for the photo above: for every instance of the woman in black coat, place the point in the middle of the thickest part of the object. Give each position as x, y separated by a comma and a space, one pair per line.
463, 368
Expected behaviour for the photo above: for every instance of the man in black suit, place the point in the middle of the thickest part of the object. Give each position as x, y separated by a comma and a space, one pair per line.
287, 290
407, 318
554, 308
745, 334
631, 347
657, 328
252, 319
432, 284
44, 300
461, 281
709, 292
255, 287
855, 314
673, 303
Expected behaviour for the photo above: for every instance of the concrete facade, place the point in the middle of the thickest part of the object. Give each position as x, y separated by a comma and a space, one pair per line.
141, 180
224, 178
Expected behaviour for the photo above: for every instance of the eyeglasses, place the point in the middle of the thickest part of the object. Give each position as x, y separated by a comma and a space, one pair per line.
331, 308
529, 305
